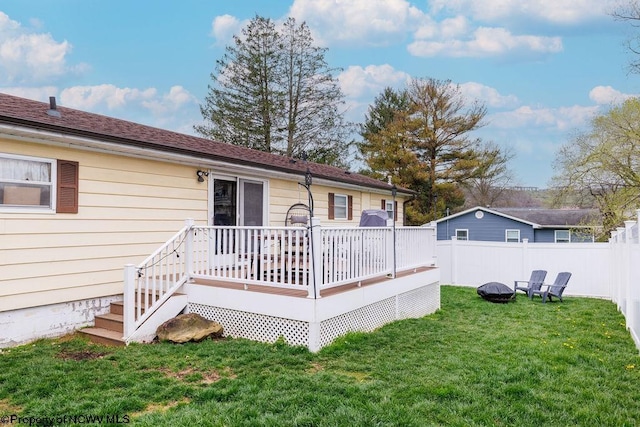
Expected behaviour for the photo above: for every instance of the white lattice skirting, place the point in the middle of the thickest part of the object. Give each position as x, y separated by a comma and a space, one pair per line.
322, 326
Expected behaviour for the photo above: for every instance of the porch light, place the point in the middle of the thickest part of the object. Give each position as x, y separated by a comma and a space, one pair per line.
201, 174
308, 178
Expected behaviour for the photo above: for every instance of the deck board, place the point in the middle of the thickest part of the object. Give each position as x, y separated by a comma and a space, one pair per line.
302, 292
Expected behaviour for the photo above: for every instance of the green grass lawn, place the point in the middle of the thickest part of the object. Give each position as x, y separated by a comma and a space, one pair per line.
473, 363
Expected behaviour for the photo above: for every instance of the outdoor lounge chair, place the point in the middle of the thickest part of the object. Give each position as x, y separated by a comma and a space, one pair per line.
555, 289
533, 284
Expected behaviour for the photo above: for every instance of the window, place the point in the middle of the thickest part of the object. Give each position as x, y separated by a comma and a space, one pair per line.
462, 234
563, 236
391, 207
32, 183
512, 236
340, 206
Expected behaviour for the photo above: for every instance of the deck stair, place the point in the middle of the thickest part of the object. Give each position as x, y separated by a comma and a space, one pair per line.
108, 328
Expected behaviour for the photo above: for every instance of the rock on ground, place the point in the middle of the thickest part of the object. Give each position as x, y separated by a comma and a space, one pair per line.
188, 327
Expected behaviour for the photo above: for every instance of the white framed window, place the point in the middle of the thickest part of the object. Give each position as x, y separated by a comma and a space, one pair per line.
512, 236
340, 206
562, 236
388, 206
27, 183
462, 234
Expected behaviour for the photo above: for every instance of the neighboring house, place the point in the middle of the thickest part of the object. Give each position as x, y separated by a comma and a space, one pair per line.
81, 195
517, 224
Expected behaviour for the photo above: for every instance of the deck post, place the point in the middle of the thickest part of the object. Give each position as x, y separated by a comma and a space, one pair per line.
316, 261
188, 249
129, 317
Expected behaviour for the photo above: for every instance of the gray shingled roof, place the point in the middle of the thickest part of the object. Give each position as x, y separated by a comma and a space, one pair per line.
554, 217
33, 114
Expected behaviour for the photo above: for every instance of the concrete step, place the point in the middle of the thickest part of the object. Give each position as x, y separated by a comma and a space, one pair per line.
103, 336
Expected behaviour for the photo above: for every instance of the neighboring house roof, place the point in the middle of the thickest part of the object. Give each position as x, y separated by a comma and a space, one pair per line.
15, 111
555, 218
540, 218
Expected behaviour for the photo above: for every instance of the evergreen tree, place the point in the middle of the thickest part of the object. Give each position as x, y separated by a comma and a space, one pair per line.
274, 91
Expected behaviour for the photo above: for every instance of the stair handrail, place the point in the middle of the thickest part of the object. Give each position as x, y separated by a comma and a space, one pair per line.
152, 282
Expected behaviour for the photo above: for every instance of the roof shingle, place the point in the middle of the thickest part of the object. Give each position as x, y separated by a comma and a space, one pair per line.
33, 114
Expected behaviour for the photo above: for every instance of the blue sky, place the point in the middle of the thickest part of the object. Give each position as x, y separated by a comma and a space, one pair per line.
542, 67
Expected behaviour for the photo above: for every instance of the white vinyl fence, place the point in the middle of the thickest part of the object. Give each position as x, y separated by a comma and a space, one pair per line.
601, 270
473, 263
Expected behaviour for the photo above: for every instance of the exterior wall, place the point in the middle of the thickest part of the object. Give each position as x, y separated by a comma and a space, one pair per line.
284, 193
489, 228
27, 324
547, 235
127, 208
59, 270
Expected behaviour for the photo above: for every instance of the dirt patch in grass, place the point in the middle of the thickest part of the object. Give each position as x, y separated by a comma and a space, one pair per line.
156, 407
193, 375
80, 354
8, 408
315, 367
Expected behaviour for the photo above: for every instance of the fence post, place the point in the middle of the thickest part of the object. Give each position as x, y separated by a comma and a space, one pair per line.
627, 274
129, 317
316, 261
434, 245
188, 249
454, 266
526, 267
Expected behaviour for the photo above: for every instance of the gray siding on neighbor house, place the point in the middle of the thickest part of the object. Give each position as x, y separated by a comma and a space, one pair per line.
489, 228
547, 235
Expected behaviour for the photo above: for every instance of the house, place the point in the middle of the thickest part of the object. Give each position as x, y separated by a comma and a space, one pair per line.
84, 197
517, 224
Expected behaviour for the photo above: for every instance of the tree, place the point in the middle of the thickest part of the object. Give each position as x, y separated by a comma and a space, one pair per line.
490, 183
602, 164
273, 91
629, 11
419, 137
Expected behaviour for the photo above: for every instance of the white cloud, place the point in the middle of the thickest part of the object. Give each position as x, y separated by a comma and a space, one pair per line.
604, 95
490, 96
369, 22
91, 98
177, 98
562, 119
224, 27
357, 81
561, 12
487, 42
27, 57
41, 94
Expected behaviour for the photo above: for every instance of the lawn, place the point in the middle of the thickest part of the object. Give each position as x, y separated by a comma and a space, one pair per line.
473, 363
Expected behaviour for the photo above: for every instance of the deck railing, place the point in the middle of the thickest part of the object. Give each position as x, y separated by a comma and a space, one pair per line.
148, 285
298, 258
